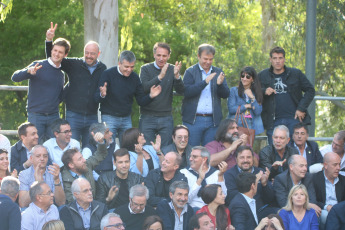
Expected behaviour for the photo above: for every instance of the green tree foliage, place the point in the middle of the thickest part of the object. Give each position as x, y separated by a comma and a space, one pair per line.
5, 8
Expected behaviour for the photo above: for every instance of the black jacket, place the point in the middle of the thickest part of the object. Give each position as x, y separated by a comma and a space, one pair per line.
297, 83
73, 221
241, 215
313, 153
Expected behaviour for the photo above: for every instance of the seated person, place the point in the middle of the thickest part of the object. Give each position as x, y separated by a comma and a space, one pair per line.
329, 185
336, 217
308, 149
153, 223
296, 174
243, 206
136, 211
274, 156
83, 212
20, 151
177, 211
41, 209
338, 147
4, 165
264, 197
61, 142
112, 220
201, 221
143, 157
201, 174
5, 144
91, 147
297, 214
272, 221
158, 181
113, 187
39, 171
180, 145
227, 141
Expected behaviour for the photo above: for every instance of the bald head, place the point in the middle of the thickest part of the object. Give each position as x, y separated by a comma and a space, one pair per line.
91, 53
331, 164
330, 157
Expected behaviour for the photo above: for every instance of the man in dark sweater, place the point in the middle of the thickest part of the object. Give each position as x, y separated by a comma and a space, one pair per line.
117, 87
83, 77
156, 118
46, 82
135, 212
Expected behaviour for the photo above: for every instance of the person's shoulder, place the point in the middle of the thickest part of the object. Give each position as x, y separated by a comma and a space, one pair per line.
49, 142
267, 149
234, 89
193, 67
134, 175
264, 71
147, 65
74, 143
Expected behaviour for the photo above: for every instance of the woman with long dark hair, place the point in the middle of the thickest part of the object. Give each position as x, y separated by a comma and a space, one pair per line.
248, 95
143, 157
213, 196
4, 163
153, 223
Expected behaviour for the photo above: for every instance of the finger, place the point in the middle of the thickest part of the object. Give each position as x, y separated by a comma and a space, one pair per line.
105, 84
92, 134
51, 25
38, 67
55, 27
152, 143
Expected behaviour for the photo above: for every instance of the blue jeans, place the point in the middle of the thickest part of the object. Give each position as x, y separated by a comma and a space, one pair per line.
202, 131
80, 125
117, 125
153, 125
43, 122
288, 122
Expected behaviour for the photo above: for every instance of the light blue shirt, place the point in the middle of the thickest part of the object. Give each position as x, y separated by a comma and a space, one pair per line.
134, 156
178, 220
252, 204
155, 65
85, 215
331, 197
304, 154
91, 68
34, 217
205, 100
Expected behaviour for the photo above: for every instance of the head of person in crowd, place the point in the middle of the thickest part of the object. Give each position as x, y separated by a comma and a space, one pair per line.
271, 222
171, 163
277, 59
54, 225
247, 183
126, 62
199, 156
300, 134
39, 157
10, 187
27, 133
213, 195
297, 167
227, 131
101, 128
62, 131
280, 137
338, 143
138, 196
122, 162
41, 195
180, 137
245, 158
206, 54
112, 221
249, 79
161, 53
298, 197
91, 53
82, 192
201, 221
153, 223
178, 192
331, 165
73, 160
60, 50
4, 163
131, 137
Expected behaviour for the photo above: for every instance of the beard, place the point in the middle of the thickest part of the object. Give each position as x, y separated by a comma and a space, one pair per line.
231, 137
82, 170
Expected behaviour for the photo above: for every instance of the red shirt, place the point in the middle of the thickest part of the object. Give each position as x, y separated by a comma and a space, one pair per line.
213, 218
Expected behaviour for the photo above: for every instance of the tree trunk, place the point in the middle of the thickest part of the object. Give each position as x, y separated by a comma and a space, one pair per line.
268, 21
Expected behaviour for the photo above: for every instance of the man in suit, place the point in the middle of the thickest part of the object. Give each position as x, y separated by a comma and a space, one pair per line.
265, 194
243, 206
329, 185
336, 217
296, 174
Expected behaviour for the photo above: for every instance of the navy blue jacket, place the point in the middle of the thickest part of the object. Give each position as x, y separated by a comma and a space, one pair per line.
18, 156
194, 85
241, 216
313, 153
10, 217
336, 217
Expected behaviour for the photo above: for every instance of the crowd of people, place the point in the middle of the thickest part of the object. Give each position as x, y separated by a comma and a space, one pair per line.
203, 174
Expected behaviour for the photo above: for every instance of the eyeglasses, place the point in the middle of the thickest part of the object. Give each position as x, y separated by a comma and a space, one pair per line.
194, 156
246, 76
66, 131
182, 137
137, 205
117, 226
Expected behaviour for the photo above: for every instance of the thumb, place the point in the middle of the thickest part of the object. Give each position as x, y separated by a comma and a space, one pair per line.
105, 84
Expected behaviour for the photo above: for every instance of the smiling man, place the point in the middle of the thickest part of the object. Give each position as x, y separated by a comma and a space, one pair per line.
46, 81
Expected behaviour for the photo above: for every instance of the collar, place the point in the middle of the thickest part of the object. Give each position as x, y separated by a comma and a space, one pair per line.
305, 148
74, 174
155, 64
326, 179
38, 209
118, 69
248, 199
184, 210
204, 70
131, 211
52, 63
90, 66
240, 170
198, 172
300, 182
81, 209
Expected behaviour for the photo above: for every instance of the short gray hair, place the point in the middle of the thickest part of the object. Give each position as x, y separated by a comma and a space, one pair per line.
75, 188
283, 128
203, 152
36, 189
105, 219
128, 56
139, 190
178, 184
10, 186
33, 150
209, 49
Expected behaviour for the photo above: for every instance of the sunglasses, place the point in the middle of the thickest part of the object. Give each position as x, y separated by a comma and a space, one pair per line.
246, 76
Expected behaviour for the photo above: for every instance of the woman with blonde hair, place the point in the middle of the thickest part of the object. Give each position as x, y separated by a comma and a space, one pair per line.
296, 214
54, 225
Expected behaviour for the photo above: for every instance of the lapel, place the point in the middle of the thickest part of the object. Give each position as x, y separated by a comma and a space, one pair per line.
309, 156
246, 205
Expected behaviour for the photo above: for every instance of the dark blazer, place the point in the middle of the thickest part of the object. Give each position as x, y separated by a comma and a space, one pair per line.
320, 188
313, 153
18, 156
241, 216
336, 217
283, 183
